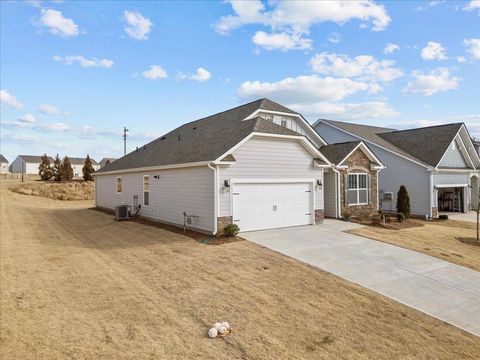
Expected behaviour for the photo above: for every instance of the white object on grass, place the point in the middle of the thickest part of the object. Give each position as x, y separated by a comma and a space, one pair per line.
212, 333
217, 325
226, 324
222, 330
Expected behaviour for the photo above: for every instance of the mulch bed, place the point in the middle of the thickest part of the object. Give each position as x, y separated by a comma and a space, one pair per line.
469, 241
393, 224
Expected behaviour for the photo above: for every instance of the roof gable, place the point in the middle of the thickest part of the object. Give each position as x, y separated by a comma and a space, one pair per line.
33, 158
340, 152
3, 159
427, 144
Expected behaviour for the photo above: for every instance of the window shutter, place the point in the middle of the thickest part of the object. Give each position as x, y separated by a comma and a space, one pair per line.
345, 185
369, 185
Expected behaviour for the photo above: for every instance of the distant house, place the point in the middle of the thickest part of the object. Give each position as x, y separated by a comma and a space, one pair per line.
476, 145
27, 164
78, 163
103, 162
3, 164
438, 164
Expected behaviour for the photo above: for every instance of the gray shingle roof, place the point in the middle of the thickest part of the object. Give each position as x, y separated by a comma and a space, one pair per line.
104, 161
427, 144
33, 158
80, 161
335, 153
3, 159
204, 139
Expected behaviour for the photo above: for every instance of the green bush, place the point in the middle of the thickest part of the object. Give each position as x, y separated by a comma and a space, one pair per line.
403, 202
347, 214
400, 217
443, 217
231, 230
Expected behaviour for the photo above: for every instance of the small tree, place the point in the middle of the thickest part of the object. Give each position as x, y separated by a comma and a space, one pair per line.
403, 202
57, 169
45, 169
66, 169
88, 169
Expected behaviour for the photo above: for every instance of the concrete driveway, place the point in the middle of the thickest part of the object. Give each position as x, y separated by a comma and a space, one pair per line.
471, 216
446, 291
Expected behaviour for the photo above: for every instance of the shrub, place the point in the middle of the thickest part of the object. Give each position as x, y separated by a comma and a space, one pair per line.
45, 170
66, 170
231, 230
403, 202
56, 169
443, 217
88, 169
400, 217
347, 214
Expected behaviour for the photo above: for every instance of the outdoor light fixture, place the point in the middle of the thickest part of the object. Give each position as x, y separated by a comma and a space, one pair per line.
156, 176
226, 183
319, 182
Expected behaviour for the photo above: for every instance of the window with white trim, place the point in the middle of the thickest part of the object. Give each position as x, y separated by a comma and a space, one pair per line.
146, 190
357, 189
118, 185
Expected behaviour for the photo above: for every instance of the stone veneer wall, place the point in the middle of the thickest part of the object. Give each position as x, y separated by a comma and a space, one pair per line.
358, 162
319, 216
223, 221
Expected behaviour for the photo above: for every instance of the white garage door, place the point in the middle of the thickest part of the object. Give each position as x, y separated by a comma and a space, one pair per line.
272, 205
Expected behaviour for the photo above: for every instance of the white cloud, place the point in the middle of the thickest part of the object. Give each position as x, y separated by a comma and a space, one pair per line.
55, 127
35, 3
434, 51
472, 5
473, 47
83, 61
300, 15
334, 38
201, 75
57, 24
155, 72
281, 41
50, 110
27, 118
362, 67
430, 4
461, 59
349, 111
428, 84
137, 26
9, 100
391, 48
296, 17
302, 89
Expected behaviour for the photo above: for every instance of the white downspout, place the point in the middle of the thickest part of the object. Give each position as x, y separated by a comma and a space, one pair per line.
215, 196
337, 197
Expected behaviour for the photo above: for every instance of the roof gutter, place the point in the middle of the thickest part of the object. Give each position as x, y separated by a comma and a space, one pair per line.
215, 195
151, 168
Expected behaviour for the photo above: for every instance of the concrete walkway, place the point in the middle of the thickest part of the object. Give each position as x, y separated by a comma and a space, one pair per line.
446, 291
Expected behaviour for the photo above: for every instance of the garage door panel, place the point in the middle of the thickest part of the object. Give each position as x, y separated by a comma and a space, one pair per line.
271, 205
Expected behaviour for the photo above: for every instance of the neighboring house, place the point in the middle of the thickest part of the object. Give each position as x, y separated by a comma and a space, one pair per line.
438, 164
78, 163
476, 145
27, 164
103, 162
3, 164
259, 165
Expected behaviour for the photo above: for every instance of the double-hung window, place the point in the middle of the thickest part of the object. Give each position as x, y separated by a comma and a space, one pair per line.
357, 189
146, 191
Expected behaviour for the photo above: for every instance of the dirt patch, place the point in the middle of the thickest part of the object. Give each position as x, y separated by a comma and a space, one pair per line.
89, 287
68, 191
469, 241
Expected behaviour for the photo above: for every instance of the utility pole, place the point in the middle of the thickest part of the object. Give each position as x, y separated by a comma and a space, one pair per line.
125, 131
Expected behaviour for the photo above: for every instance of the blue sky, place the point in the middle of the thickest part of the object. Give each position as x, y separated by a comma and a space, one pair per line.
73, 73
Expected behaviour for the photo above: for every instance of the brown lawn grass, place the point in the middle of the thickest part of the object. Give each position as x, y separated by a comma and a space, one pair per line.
76, 284
71, 190
441, 239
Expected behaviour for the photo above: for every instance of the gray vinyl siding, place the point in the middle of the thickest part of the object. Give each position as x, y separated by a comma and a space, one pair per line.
453, 158
332, 135
175, 191
262, 158
399, 171
329, 187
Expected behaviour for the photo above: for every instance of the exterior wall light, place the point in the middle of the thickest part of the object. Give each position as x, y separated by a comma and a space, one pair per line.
226, 183
319, 182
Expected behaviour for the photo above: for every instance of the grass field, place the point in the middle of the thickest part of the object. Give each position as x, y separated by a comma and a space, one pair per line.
76, 284
439, 239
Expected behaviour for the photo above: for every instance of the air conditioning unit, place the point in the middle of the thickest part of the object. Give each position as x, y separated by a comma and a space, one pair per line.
122, 212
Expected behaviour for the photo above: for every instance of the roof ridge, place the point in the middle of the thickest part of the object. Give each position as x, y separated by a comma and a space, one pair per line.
356, 124
426, 127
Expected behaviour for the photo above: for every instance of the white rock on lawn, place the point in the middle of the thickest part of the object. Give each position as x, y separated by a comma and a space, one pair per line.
212, 333
226, 324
